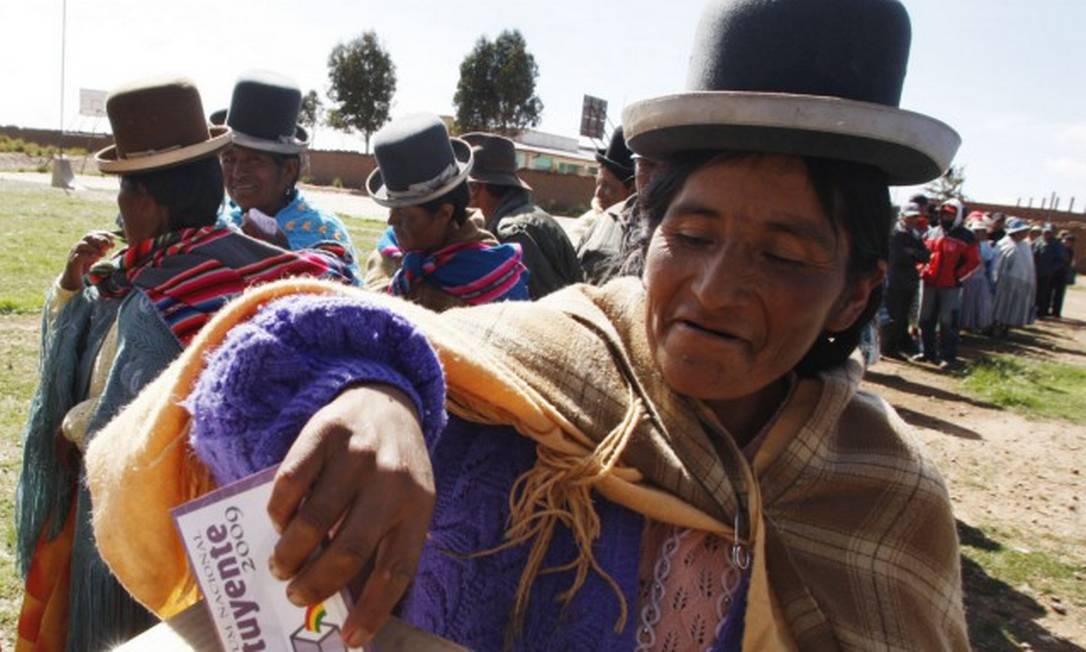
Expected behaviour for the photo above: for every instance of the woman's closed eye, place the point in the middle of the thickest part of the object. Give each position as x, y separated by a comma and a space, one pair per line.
693, 239
787, 259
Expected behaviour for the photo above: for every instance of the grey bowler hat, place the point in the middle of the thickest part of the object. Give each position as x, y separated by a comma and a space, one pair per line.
820, 79
495, 160
417, 161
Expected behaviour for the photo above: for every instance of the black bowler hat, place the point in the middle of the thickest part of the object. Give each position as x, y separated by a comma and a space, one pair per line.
495, 160
617, 157
820, 79
416, 162
264, 114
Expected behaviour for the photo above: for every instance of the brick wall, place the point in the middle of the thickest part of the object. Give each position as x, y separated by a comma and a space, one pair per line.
1031, 214
351, 168
562, 193
89, 142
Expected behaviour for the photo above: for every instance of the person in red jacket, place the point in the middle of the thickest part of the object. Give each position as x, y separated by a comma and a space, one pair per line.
955, 253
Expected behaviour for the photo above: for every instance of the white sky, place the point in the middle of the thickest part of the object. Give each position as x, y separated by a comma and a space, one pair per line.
1008, 74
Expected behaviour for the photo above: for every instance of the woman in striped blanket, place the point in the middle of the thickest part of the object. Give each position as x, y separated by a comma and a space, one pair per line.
434, 253
110, 326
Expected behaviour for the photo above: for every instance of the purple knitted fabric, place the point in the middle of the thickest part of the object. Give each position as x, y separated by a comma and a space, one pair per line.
274, 372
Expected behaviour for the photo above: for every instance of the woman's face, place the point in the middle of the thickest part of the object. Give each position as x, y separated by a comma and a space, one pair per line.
609, 189
254, 179
743, 274
141, 217
419, 230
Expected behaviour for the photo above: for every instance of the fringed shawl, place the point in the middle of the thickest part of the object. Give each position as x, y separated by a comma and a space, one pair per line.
850, 526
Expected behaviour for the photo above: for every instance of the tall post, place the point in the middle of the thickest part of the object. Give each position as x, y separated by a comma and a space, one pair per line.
63, 43
1071, 206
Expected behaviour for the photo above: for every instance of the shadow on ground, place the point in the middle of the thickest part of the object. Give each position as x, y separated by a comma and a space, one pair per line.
1000, 617
921, 420
893, 381
1032, 341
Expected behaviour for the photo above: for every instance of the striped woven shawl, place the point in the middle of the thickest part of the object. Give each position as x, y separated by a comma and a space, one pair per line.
189, 274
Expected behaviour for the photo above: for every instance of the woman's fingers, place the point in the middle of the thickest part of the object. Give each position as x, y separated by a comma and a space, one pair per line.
351, 550
323, 508
84, 254
394, 569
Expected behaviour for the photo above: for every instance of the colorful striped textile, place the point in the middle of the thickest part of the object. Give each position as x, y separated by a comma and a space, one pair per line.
191, 273
473, 272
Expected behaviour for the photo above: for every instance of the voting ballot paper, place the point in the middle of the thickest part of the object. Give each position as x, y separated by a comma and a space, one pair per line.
229, 537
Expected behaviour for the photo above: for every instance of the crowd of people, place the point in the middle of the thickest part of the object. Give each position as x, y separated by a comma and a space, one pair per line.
986, 273
630, 436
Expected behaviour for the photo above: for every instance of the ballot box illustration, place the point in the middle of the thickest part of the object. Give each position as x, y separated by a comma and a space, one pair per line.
316, 635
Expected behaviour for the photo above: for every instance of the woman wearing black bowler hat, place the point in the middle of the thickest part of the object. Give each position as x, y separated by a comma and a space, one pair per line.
677, 462
263, 164
433, 252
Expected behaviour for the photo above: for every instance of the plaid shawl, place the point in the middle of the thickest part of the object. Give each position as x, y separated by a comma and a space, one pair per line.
190, 274
853, 539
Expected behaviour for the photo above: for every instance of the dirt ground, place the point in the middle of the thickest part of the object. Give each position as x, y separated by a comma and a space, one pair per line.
1022, 476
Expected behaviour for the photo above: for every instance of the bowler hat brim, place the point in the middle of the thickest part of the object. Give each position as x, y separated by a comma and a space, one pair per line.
909, 147
621, 171
463, 160
498, 179
108, 161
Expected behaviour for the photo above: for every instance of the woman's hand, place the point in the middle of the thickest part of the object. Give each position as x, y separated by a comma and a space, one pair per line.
359, 471
83, 255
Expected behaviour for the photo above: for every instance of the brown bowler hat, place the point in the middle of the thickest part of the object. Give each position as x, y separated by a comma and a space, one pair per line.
495, 160
158, 123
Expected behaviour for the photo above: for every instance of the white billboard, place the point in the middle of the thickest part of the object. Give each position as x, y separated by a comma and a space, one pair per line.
92, 103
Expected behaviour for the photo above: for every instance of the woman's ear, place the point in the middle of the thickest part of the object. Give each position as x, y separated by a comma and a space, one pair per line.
854, 298
292, 171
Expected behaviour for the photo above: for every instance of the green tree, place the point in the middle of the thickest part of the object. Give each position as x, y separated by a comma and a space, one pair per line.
496, 91
312, 110
363, 80
949, 186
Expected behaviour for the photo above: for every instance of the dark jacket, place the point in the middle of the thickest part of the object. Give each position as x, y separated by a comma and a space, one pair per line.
548, 254
907, 251
603, 245
1050, 258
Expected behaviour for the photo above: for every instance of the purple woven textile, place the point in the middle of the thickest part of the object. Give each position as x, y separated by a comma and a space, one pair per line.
277, 370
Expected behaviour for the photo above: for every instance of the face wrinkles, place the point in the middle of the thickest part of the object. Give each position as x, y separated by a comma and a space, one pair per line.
743, 274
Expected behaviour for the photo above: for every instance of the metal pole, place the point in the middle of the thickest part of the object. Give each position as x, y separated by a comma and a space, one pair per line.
63, 40
1071, 206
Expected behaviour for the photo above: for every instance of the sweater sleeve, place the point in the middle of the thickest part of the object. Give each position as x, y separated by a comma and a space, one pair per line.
274, 372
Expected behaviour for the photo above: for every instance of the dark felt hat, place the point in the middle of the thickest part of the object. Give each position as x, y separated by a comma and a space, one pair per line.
157, 123
617, 157
495, 160
416, 162
819, 79
264, 112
